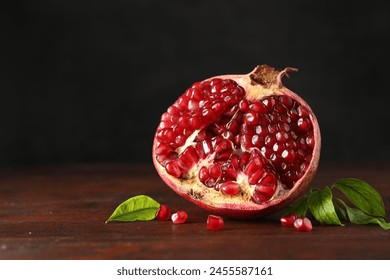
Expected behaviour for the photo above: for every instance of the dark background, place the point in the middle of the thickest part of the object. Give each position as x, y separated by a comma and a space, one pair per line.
88, 80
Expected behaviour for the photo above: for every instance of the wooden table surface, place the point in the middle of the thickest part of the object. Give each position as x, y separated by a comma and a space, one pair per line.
59, 212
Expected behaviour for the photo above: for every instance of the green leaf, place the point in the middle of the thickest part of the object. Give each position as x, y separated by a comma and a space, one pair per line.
321, 207
357, 216
137, 208
300, 208
341, 213
362, 196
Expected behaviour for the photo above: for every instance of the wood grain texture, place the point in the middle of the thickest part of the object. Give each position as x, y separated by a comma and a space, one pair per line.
59, 212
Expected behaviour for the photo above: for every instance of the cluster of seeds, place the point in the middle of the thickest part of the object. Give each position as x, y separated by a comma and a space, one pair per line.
214, 127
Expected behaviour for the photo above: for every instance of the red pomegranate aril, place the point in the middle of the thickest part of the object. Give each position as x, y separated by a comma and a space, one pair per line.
257, 140
214, 222
215, 171
286, 101
230, 171
196, 122
163, 213
230, 188
303, 125
255, 176
180, 140
303, 224
269, 104
173, 169
278, 147
281, 137
264, 192
193, 105
270, 140
253, 166
209, 114
204, 174
207, 147
163, 149
288, 156
173, 110
222, 146
302, 112
244, 106
288, 220
310, 141
293, 114
268, 179
179, 217
258, 107
229, 135
251, 118
280, 108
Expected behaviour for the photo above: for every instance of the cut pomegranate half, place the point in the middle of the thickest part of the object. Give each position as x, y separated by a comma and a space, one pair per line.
238, 145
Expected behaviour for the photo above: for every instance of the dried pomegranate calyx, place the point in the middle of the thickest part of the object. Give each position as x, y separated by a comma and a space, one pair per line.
238, 144
267, 76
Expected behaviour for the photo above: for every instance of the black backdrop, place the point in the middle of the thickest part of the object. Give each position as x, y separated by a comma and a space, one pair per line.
88, 80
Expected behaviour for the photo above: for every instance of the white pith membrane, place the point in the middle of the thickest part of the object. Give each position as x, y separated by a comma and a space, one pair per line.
189, 185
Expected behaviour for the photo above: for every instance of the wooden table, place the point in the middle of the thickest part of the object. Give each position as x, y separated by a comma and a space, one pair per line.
59, 212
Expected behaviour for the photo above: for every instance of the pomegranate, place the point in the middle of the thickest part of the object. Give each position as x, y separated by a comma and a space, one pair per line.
238, 145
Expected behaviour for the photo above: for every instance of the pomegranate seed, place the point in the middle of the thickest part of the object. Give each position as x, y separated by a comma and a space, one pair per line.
258, 107
209, 114
180, 217
229, 171
193, 105
204, 174
302, 112
269, 179
255, 177
230, 188
293, 115
281, 137
303, 224
196, 122
215, 171
253, 166
259, 198
244, 105
303, 125
265, 192
288, 156
173, 169
310, 141
270, 140
163, 149
251, 118
280, 108
257, 140
173, 110
286, 101
163, 213
278, 147
207, 147
288, 220
196, 94
223, 146
214, 222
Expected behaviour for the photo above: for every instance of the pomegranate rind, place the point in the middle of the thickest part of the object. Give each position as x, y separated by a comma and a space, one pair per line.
236, 207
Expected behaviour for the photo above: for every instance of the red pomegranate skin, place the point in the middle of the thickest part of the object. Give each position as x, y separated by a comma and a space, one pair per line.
175, 155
